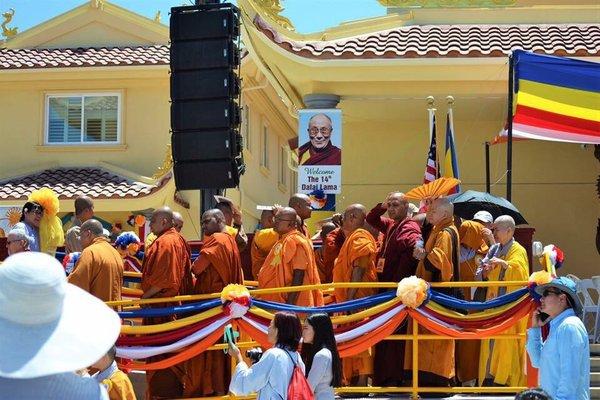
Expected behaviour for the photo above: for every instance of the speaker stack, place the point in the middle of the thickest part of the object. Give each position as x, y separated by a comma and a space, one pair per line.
205, 90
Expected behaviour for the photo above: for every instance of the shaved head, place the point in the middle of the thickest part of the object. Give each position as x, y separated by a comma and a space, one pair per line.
440, 209
266, 219
92, 225
162, 220
285, 220
84, 208
177, 221
397, 206
213, 221
354, 217
326, 229
301, 203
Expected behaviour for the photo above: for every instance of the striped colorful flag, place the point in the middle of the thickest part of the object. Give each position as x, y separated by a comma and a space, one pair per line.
432, 168
450, 161
556, 98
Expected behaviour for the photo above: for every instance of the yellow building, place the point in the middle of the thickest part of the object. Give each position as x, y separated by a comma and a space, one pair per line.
383, 69
84, 107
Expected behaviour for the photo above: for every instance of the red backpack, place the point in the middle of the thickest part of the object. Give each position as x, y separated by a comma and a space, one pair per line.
299, 389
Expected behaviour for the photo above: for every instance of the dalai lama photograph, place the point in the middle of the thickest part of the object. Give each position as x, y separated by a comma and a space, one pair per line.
320, 139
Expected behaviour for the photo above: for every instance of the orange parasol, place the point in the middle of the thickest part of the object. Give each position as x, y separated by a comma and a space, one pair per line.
432, 190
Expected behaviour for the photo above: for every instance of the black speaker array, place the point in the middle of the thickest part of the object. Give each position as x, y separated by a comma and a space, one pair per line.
205, 90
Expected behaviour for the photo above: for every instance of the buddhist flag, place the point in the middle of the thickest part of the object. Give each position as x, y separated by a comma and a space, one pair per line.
556, 98
450, 162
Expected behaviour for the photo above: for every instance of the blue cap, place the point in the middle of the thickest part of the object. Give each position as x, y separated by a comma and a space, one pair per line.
567, 286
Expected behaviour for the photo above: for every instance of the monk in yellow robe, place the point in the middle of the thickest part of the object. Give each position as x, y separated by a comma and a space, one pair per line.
436, 357
291, 262
117, 382
209, 373
502, 361
356, 263
262, 243
475, 238
300, 202
166, 273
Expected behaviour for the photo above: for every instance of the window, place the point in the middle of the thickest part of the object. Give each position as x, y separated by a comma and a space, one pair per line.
84, 119
283, 168
294, 180
246, 126
264, 151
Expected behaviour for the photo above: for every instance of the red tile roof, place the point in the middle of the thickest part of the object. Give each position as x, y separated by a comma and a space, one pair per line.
69, 183
429, 41
84, 57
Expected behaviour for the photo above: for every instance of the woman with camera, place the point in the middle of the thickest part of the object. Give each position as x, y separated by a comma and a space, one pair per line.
270, 376
323, 364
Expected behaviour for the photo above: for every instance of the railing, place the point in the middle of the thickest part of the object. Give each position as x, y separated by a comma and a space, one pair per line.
414, 336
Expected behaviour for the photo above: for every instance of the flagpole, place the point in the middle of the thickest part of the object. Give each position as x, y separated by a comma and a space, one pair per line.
487, 167
510, 129
431, 110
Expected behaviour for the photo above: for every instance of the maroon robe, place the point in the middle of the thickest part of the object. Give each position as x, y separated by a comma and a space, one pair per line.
329, 155
397, 249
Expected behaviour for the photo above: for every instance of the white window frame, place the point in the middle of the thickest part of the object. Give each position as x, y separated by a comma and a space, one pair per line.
246, 128
283, 168
47, 98
264, 147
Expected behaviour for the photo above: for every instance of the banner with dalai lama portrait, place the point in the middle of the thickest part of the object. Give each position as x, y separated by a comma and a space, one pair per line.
320, 151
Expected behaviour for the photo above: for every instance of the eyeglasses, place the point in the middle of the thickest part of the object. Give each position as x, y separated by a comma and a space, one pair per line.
548, 292
281, 219
323, 130
37, 211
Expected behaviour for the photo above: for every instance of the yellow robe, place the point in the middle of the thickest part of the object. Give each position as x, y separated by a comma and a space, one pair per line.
507, 362
435, 356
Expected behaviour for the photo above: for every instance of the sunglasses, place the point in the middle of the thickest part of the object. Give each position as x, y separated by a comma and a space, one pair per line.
548, 292
37, 210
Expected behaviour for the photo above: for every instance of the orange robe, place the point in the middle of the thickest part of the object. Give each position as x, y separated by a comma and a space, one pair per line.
99, 271
471, 237
328, 253
167, 265
358, 251
262, 243
218, 265
292, 251
436, 357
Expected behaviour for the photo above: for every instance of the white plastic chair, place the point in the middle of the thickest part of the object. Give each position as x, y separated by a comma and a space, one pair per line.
596, 280
585, 288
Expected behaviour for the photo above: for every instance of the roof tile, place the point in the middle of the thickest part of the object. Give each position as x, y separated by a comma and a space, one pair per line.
70, 182
449, 41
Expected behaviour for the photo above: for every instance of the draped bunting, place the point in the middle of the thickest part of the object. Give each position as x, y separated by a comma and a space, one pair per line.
379, 317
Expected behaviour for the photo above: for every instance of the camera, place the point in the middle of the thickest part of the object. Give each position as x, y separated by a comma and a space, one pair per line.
254, 354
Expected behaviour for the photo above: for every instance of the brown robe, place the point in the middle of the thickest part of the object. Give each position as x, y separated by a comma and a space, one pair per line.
166, 265
99, 271
218, 265
436, 357
471, 237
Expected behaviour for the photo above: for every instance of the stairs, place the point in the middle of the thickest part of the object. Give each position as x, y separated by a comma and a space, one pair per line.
595, 371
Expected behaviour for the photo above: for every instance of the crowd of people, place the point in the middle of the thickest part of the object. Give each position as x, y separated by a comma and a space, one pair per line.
358, 245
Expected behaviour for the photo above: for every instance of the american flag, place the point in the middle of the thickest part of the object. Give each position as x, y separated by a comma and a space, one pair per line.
432, 170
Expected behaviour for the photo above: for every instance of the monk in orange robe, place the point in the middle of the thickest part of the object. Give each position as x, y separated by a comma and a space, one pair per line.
263, 241
166, 273
209, 373
475, 239
291, 262
99, 270
356, 263
325, 269
436, 357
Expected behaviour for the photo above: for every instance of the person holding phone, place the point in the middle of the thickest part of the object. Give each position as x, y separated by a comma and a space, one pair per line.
323, 363
564, 357
270, 376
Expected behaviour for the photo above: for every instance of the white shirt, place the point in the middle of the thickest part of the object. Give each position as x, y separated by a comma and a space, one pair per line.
321, 374
67, 386
269, 377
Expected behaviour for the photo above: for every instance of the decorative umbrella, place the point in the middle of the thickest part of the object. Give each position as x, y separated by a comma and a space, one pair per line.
432, 190
466, 204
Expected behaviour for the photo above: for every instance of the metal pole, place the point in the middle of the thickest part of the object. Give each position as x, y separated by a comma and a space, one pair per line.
487, 167
510, 127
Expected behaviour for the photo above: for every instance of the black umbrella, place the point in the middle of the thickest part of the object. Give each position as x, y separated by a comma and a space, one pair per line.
466, 204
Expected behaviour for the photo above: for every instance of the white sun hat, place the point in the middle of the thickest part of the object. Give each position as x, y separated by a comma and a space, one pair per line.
48, 326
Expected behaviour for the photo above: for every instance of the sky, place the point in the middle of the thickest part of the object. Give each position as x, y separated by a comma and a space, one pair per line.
307, 15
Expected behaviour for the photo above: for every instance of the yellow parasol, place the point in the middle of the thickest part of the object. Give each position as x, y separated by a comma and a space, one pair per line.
432, 190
